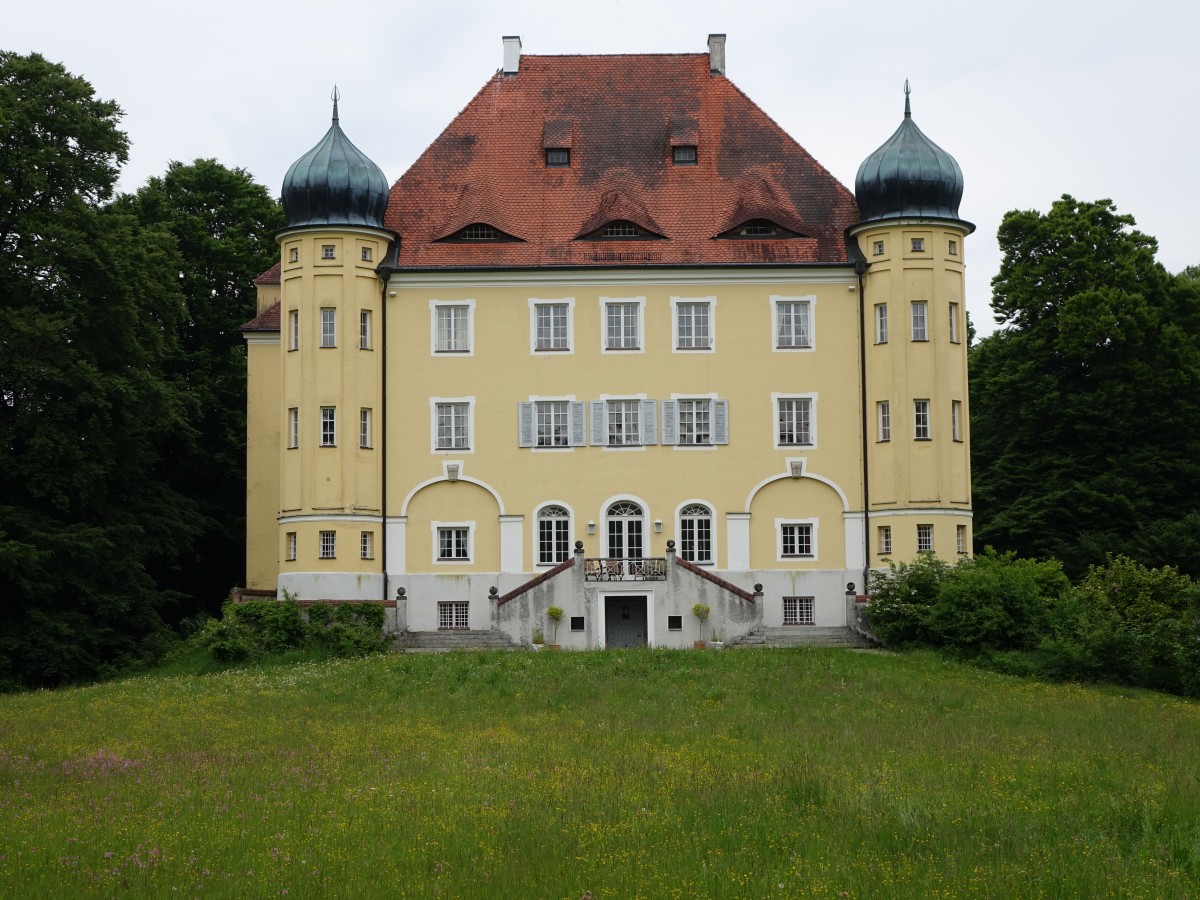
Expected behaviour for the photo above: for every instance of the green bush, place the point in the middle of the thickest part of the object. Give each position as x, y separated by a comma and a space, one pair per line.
902, 598
261, 627
995, 602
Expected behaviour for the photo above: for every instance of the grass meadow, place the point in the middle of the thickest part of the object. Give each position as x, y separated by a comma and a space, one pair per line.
619, 774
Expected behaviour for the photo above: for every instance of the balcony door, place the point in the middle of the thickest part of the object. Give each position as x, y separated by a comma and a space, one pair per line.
625, 522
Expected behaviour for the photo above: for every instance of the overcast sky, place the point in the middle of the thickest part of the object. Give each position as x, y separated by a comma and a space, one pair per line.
1034, 99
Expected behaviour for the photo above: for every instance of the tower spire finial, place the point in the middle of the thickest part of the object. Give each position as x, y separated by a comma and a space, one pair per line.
907, 108
336, 95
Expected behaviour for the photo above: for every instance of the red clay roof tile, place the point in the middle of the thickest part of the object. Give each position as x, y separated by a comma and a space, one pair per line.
624, 113
267, 320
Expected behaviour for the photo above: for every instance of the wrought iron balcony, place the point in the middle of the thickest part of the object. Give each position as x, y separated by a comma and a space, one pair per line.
653, 568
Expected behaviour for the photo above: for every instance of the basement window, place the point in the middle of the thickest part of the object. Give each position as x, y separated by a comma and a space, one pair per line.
674, 623
577, 621
558, 157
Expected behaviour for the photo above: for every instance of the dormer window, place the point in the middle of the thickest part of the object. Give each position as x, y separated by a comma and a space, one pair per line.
478, 232
760, 229
684, 155
558, 157
620, 230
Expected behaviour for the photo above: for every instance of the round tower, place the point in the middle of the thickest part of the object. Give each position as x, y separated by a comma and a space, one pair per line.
330, 471
911, 240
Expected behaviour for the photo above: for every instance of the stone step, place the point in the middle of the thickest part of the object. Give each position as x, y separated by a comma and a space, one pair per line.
443, 641
804, 636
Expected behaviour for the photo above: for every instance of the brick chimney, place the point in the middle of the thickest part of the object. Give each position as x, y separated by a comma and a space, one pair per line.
716, 54
512, 53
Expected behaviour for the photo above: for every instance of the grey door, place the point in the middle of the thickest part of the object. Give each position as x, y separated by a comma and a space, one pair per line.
625, 621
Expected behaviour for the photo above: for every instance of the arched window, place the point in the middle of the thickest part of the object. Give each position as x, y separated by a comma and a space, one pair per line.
625, 530
695, 533
554, 535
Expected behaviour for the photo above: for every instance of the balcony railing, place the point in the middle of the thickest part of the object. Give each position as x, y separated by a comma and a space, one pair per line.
652, 568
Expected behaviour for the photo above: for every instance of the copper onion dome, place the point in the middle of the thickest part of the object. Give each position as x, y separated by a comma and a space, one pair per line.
909, 175
334, 183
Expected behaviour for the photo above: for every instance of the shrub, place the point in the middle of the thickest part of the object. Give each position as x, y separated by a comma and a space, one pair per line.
901, 600
995, 602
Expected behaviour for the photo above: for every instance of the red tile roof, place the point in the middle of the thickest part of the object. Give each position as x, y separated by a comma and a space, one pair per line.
267, 320
621, 115
271, 276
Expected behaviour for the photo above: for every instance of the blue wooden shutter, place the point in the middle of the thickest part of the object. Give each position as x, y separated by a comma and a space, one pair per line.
525, 424
670, 422
648, 422
599, 426
576, 415
720, 422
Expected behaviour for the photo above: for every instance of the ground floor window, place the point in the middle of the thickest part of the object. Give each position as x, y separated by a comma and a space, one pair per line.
452, 615
454, 543
554, 538
797, 610
695, 534
924, 538
328, 545
796, 539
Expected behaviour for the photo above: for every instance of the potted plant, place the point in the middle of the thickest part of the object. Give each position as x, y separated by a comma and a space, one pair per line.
538, 639
701, 611
554, 614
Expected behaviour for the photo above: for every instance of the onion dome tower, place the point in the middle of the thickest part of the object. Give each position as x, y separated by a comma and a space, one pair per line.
909, 175
334, 183
330, 378
909, 247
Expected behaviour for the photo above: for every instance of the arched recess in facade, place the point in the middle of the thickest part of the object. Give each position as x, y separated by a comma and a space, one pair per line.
453, 525
798, 519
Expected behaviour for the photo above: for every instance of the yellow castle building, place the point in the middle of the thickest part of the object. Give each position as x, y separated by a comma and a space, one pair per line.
614, 343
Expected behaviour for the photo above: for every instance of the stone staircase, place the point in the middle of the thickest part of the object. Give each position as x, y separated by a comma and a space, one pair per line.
803, 636
445, 641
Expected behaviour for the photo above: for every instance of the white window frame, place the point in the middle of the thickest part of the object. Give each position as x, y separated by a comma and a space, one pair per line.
435, 347
925, 537
366, 545
881, 323
529, 414
952, 247
537, 532
327, 436
434, 403
328, 327
640, 323
644, 519
293, 254
678, 305
538, 302
777, 344
327, 544
671, 433
647, 422
293, 428
922, 424
885, 540
367, 254
956, 429
883, 420
800, 610
456, 612
960, 539
919, 315
781, 524
878, 248
711, 560
364, 428
776, 421
437, 530
291, 546
364, 329
954, 323
329, 251
293, 329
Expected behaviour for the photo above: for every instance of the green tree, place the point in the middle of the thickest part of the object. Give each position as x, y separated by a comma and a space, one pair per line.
1086, 406
89, 314
223, 223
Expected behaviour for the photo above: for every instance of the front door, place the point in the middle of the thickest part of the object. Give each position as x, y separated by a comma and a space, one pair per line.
625, 621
